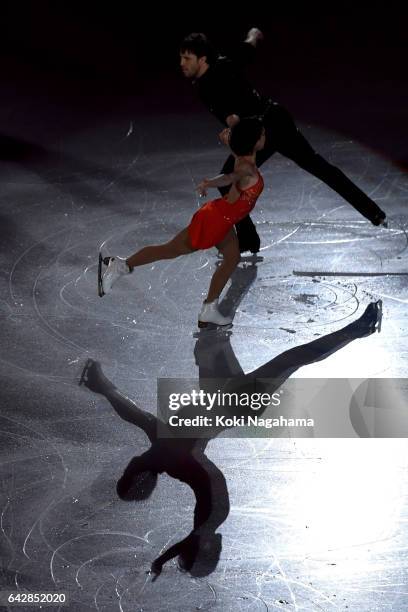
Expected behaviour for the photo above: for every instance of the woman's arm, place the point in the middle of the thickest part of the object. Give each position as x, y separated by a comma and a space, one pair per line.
223, 180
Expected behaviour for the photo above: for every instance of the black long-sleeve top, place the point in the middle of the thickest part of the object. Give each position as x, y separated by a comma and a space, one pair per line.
225, 90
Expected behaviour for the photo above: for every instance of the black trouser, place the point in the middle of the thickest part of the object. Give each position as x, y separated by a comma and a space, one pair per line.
283, 136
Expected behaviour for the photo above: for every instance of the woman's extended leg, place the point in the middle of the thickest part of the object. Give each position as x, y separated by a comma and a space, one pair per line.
179, 245
117, 267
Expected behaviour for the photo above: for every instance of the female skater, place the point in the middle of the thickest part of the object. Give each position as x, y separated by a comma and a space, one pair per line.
212, 225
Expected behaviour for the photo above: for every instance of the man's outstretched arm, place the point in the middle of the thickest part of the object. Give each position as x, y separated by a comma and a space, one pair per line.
245, 55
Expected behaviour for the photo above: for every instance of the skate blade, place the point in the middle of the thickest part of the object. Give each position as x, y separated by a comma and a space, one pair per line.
101, 292
253, 258
84, 374
379, 316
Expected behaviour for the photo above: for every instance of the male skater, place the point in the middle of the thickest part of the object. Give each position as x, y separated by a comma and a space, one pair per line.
226, 92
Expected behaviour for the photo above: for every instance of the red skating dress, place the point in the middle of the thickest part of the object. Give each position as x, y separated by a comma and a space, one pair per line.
214, 219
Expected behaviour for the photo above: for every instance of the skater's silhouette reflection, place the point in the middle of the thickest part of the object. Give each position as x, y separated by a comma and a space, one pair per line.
184, 458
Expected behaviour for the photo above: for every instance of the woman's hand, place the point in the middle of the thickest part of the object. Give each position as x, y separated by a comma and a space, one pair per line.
202, 188
225, 136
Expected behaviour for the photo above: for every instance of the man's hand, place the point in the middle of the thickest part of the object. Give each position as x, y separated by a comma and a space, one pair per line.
225, 135
254, 36
232, 120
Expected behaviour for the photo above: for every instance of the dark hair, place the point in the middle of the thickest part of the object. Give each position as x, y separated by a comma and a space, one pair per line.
198, 44
200, 553
245, 135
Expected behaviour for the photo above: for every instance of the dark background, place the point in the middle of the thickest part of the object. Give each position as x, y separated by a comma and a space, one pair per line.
117, 39
345, 70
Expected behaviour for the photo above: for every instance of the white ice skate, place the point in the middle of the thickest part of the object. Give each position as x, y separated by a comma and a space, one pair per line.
210, 314
117, 267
